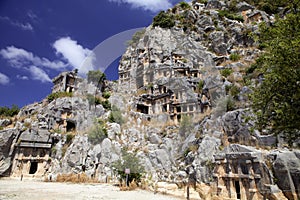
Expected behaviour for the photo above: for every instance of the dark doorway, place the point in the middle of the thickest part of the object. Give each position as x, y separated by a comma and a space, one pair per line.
70, 126
142, 109
33, 167
179, 117
237, 189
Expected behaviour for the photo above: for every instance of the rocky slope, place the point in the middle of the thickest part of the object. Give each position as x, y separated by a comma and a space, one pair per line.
212, 146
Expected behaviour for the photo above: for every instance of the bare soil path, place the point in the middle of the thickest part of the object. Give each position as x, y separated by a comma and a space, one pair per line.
11, 189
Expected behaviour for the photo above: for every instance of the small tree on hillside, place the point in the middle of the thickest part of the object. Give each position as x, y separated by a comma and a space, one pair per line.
96, 77
186, 125
130, 161
116, 115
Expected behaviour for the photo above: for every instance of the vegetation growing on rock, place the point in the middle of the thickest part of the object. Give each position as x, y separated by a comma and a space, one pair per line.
56, 95
97, 133
164, 20
9, 112
276, 99
97, 77
115, 115
129, 160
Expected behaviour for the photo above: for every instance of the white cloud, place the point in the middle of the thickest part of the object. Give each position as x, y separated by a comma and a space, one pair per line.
74, 53
25, 60
39, 74
32, 16
4, 80
22, 77
152, 5
24, 26
18, 57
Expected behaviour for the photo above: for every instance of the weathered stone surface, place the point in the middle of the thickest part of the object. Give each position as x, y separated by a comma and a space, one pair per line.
242, 6
219, 42
287, 172
5, 122
113, 130
165, 63
7, 138
155, 139
76, 154
163, 159
215, 4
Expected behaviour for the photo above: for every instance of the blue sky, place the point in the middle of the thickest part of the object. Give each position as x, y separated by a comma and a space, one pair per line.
41, 38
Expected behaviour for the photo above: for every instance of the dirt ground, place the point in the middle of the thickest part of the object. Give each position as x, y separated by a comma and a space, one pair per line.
11, 189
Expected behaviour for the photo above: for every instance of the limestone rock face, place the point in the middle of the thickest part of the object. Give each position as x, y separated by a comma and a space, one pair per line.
287, 171
174, 104
5, 122
7, 138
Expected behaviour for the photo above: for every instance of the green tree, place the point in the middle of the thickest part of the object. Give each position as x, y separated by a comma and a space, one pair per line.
97, 133
130, 161
164, 20
115, 115
200, 85
136, 37
276, 100
186, 125
184, 5
96, 77
93, 100
9, 112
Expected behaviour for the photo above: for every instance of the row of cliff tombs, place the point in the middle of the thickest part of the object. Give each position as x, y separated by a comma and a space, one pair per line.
180, 109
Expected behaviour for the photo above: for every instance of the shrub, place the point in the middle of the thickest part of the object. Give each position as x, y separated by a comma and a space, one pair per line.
185, 125
106, 95
226, 72
96, 77
234, 91
184, 5
53, 150
232, 16
234, 57
129, 161
93, 100
227, 88
57, 95
200, 85
164, 20
116, 115
230, 105
9, 112
251, 69
97, 133
69, 138
106, 104
136, 37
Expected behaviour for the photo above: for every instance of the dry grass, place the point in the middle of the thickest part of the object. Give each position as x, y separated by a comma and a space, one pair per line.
132, 186
75, 178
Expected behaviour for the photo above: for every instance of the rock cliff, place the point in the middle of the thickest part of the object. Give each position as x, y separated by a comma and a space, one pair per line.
180, 104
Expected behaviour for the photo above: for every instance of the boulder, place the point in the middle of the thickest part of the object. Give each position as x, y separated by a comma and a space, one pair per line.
215, 4
5, 122
287, 172
113, 130
7, 138
163, 159
243, 6
76, 154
